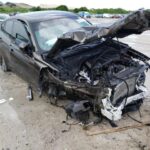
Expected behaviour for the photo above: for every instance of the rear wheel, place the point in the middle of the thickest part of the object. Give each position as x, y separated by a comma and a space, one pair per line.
4, 66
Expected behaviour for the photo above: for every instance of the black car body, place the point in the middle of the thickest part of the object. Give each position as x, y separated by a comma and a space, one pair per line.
85, 63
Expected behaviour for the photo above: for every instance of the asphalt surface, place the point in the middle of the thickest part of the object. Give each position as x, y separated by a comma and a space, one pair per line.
37, 125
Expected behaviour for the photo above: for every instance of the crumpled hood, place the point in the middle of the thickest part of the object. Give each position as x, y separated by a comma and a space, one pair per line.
134, 23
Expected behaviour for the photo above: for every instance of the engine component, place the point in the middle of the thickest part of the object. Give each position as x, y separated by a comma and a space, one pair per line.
79, 110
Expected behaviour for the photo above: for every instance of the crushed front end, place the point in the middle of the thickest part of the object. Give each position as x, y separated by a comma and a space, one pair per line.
101, 74
107, 74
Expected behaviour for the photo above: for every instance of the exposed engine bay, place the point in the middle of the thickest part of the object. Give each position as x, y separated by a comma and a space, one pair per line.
100, 73
112, 74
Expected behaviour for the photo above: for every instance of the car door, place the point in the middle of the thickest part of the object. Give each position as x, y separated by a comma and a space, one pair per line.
22, 60
5, 41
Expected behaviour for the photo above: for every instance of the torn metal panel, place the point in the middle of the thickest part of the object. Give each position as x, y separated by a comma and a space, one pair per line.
115, 113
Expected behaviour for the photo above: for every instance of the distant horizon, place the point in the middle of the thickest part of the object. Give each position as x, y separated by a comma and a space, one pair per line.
128, 4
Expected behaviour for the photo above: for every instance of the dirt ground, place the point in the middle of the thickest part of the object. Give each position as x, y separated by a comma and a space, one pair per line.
37, 125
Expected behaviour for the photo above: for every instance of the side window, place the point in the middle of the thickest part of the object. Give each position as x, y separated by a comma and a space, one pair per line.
19, 31
7, 27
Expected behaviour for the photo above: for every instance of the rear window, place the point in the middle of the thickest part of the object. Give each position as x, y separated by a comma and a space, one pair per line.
7, 27
19, 30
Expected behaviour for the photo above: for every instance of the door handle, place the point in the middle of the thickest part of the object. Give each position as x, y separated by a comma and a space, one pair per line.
11, 50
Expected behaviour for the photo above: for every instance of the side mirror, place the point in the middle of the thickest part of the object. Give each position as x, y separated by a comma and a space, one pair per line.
22, 42
23, 46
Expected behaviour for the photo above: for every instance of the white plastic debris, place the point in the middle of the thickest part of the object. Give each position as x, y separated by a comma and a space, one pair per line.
11, 99
2, 101
115, 113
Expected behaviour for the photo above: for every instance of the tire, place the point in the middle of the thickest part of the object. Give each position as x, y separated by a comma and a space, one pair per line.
4, 66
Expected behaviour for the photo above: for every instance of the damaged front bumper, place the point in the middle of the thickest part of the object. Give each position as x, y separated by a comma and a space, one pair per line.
115, 113
111, 102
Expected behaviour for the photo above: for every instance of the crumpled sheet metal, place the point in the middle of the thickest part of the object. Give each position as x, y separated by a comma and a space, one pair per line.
134, 23
115, 113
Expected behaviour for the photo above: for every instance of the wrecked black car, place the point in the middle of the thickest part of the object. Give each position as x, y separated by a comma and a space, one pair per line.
64, 55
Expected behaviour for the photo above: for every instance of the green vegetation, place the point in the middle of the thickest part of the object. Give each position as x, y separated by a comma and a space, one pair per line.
62, 7
36, 9
76, 10
7, 9
109, 11
12, 9
102, 11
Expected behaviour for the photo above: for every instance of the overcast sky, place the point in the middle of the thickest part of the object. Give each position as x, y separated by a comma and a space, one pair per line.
126, 4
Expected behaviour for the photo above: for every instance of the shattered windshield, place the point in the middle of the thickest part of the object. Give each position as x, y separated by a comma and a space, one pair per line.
47, 32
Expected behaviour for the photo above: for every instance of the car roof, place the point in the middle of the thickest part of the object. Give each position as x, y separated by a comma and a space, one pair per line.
43, 15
